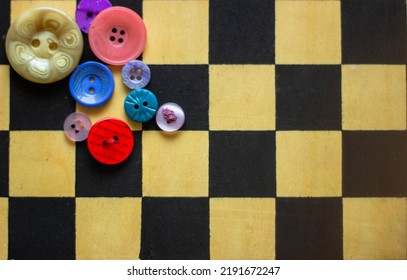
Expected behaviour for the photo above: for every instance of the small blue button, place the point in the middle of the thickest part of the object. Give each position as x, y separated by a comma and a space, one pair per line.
91, 84
141, 105
136, 74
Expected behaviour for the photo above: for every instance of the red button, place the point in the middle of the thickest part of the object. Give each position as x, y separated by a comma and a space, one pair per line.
110, 141
117, 35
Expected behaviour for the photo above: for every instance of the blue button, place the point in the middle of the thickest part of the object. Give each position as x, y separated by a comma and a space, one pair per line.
136, 74
91, 84
141, 105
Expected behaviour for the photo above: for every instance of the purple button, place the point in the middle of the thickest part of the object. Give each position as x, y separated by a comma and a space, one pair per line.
136, 74
87, 10
170, 117
77, 126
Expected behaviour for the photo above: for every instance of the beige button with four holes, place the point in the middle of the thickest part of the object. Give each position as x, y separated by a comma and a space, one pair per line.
44, 45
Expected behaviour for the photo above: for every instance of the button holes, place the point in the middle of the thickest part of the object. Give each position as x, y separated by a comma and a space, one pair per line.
122, 32
36, 43
112, 38
91, 90
89, 14
114, 30
110, 141
76, 131
139, 78
91, 79
120, 40
132, 77
145, 103
82, 127
132, 71
139, 71
53, 46
73, 125
136, 106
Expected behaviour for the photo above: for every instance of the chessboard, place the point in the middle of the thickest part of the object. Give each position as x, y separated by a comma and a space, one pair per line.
294, 145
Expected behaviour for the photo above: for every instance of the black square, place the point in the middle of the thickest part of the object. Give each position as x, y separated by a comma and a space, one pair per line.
136, 6
42, 228
88, 54
241, 32
39, 106
374, 163
4, 157
4, 25
186, 85
175, 228
131, 4
95, 179
308, 97
373, 31
309, 228
242, 164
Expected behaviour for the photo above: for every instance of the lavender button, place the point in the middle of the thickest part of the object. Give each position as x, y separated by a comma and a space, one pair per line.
136, 74
77, 126
87, 10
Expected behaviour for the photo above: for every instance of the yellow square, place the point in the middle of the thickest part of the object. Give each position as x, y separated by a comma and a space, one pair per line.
178, 32
374, 97
309, 163
18, 7
242, 97
108, 228
308, 32
375, 228
175, 165
42, 163
242, 228
4, 97
114, 107
3, 228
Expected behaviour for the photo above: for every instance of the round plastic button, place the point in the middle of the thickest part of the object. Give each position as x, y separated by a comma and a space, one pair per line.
141, 105
44, 45
110, 141
91, 84
117, 35
76, 126
170, 117
136, 74
87, 10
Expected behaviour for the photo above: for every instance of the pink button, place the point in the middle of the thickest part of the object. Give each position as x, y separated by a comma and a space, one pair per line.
117, 35
170, 117
77, 126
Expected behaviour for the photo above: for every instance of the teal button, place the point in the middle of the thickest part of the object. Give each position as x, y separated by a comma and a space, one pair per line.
141, 105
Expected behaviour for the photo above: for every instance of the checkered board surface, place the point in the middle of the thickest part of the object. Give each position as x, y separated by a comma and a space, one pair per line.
295, 144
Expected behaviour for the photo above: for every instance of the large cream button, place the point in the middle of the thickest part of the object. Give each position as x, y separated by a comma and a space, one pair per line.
44, 45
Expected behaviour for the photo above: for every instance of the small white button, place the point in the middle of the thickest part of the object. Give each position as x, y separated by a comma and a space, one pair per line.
170, 117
